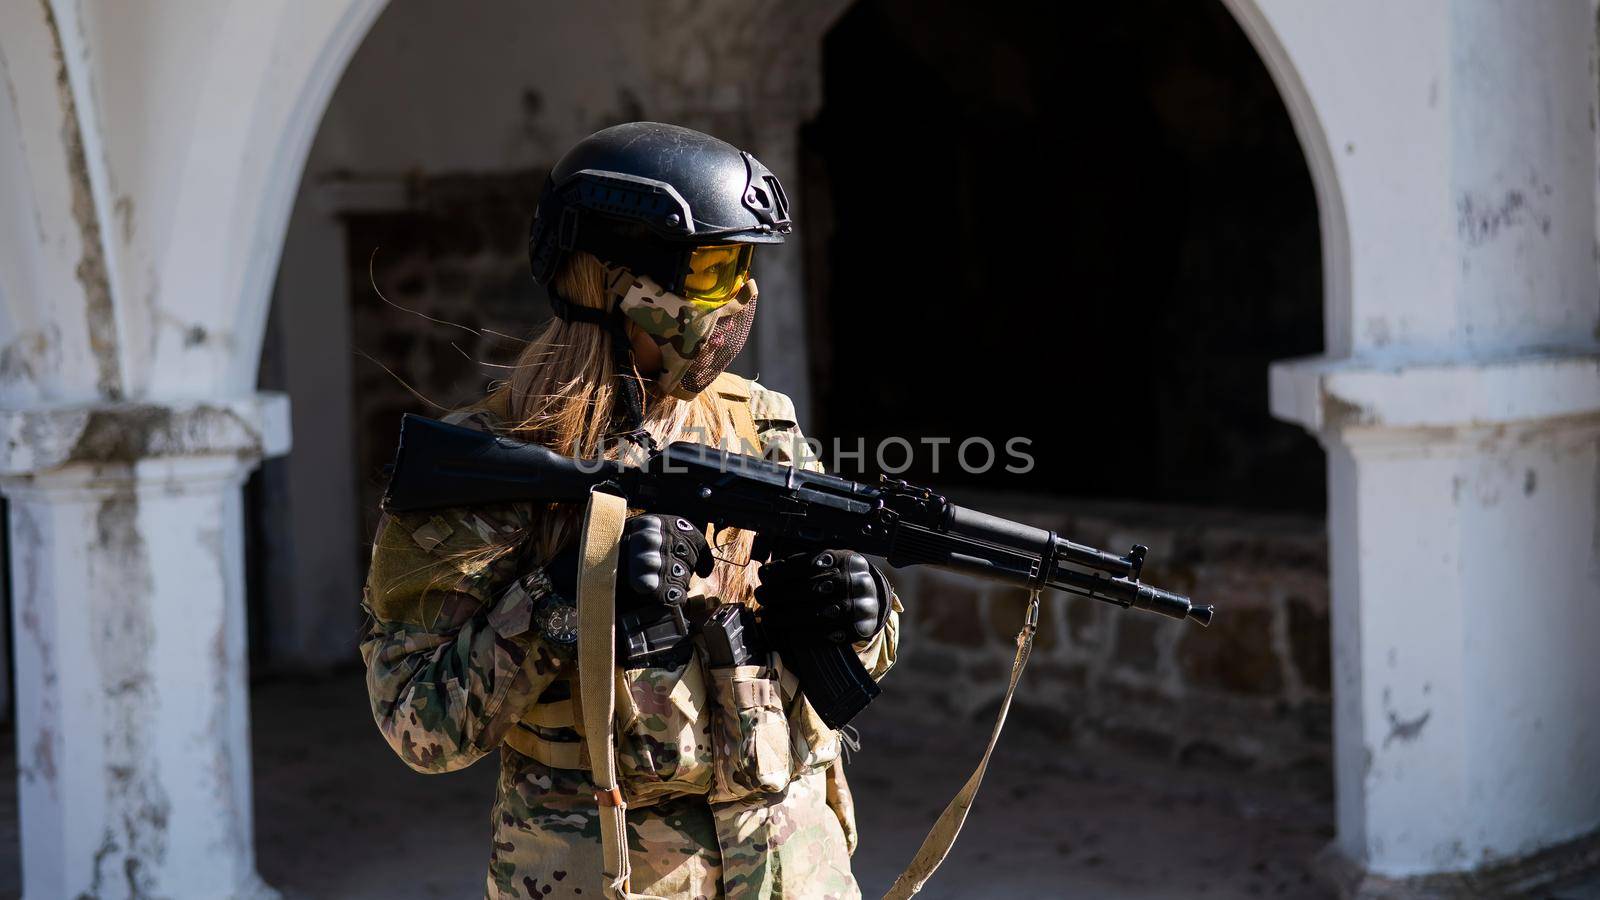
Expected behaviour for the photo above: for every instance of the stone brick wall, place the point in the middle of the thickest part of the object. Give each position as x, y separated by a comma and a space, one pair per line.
1250, 691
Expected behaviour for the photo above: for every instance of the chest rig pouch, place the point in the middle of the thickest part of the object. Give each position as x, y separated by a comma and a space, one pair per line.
725, 720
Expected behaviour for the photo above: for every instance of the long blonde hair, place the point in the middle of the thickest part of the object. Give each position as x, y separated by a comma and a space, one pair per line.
562, 392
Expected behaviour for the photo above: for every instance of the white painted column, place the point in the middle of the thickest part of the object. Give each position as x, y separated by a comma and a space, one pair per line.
1462, 528
1453, 147
128, 606
135, 774
148, 157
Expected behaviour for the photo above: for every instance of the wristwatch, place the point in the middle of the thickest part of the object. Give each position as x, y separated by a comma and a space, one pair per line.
557, 618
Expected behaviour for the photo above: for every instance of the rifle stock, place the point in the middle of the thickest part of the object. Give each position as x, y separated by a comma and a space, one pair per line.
438, 464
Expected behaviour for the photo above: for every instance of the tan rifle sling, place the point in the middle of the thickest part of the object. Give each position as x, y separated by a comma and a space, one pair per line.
942, 836
597, 681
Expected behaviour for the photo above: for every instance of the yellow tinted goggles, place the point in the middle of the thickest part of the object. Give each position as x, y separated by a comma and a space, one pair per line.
716, 274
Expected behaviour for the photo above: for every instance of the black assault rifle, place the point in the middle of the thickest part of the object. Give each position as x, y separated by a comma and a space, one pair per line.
440, 465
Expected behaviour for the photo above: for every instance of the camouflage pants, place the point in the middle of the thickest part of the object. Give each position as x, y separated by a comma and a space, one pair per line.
547, 842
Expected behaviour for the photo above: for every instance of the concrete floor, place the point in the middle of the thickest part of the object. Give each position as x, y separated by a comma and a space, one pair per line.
339, 817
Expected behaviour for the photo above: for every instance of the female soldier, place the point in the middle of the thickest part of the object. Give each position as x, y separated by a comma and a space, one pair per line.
732, 783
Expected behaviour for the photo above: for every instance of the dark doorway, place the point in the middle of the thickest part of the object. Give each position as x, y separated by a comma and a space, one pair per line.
1087, 225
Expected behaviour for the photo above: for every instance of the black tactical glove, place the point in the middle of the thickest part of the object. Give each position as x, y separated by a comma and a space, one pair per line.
658, 556
834, 595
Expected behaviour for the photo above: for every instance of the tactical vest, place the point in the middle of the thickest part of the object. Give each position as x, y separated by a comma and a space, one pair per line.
725, 733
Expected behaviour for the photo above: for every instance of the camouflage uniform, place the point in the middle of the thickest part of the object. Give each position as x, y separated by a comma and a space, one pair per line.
454, 662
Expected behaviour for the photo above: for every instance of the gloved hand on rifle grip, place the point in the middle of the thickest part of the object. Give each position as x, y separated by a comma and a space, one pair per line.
834, 595
658, 556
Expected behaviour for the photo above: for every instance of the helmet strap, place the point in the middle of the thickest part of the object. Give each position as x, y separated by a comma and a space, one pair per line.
568, 311
627, 417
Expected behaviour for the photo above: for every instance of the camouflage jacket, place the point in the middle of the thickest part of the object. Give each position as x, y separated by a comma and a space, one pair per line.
454, 662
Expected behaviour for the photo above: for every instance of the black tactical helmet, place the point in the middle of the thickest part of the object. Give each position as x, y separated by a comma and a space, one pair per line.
643, 195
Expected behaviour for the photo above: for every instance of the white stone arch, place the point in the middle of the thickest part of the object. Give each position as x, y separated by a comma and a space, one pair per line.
183, 133
317, 81
1333, 226
1320, 160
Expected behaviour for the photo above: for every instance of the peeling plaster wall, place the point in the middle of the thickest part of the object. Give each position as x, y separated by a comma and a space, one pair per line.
1524, 142
147, 157
131, 776
155, 155
46, 352
1549, 723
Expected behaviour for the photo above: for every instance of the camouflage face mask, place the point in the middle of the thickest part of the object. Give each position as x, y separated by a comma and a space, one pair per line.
697, 340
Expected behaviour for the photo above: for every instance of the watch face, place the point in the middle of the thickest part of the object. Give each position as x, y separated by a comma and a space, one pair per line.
558, 620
